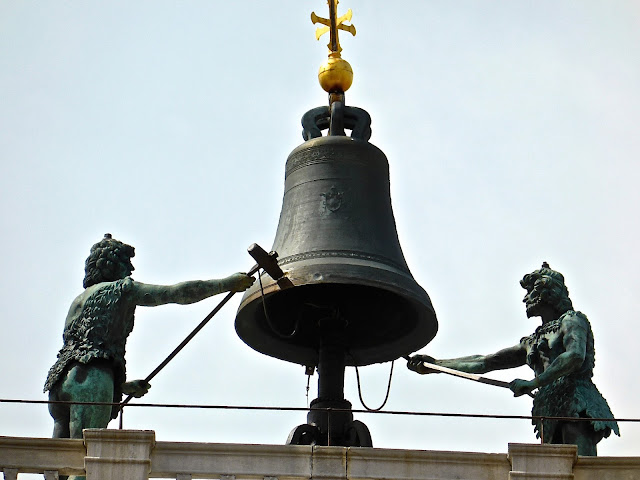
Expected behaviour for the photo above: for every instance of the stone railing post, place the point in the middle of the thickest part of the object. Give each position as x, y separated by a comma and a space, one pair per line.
118, 454
542, 462
329, 463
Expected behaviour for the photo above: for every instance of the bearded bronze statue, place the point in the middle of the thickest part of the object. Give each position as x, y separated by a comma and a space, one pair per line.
91, 363
561, 353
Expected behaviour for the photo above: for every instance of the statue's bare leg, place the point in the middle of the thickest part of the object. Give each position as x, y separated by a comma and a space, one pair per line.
60, 414
582, 435
88, 383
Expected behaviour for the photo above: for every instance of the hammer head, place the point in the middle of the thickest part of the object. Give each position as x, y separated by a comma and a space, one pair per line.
267, 261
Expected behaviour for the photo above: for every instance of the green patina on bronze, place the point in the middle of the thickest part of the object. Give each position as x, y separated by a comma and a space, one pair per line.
561, 353
91, 363
98, 334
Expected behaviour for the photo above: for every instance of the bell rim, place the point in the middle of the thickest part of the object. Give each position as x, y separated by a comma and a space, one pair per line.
411, 294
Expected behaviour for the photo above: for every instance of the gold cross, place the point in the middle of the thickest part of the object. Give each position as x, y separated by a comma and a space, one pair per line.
332, 25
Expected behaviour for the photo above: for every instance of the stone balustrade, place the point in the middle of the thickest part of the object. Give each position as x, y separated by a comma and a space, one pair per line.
135, 455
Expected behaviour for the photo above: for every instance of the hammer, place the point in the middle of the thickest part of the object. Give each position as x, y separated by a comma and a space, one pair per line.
268, 262
468, 376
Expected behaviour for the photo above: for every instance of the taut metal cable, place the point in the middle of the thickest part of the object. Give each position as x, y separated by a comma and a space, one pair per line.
304, 409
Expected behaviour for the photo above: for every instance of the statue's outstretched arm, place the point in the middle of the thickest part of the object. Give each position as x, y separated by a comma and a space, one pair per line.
188, 292
511, 357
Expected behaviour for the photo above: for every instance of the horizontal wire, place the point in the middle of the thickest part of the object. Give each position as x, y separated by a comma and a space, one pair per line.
306, 409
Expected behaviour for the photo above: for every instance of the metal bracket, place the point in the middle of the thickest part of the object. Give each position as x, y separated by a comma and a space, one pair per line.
336, 118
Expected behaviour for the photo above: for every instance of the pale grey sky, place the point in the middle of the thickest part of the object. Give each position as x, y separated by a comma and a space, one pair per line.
511, 131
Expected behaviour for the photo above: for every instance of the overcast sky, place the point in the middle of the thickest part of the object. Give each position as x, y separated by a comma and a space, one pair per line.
511, 129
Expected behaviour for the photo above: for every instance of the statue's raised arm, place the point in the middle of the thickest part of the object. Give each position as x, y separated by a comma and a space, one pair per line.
91, 363
561, 354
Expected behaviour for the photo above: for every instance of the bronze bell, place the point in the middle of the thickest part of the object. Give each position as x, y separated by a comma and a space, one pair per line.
337, 243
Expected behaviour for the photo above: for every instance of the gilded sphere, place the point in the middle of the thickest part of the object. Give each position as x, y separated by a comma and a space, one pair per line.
335, 75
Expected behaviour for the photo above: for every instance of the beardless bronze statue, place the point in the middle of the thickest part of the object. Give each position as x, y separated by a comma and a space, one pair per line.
561, 354
91, 363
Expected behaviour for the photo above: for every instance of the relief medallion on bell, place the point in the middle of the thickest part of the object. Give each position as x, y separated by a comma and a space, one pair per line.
332, 200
